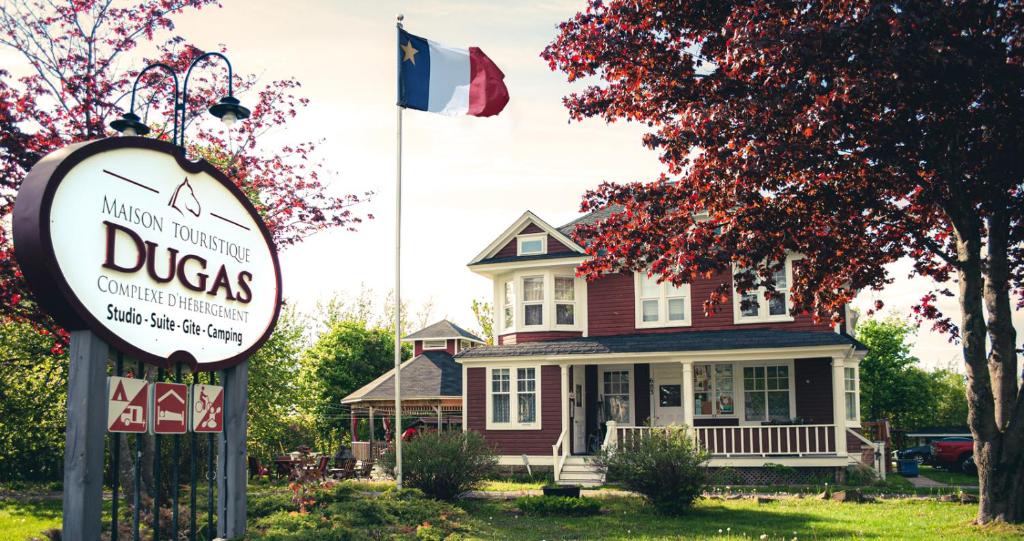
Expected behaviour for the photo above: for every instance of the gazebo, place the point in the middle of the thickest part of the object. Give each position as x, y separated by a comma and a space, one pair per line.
431, 386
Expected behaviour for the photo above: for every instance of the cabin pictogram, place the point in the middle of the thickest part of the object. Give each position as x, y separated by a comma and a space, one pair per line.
170, 408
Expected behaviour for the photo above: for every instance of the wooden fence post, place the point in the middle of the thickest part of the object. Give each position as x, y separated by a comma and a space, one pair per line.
231, 455
83, 443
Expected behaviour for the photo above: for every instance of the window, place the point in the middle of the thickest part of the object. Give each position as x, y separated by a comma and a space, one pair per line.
670, 396
513, 399
660, 305
508, 306
851, 384
752, 306
766, 393
565, 300
500, 399
713, 390
536, 244
526, 394
435, 344
533, 300
616, 396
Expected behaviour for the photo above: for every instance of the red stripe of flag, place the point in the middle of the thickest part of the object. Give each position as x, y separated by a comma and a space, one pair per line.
487, 92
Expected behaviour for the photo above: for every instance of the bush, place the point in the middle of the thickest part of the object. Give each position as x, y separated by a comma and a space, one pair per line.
558, 506
267, 504
860, 475
444, 464
666, 467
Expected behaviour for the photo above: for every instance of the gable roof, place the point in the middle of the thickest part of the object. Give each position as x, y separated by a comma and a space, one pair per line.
513, 230
432, 375
442, 329
666, 342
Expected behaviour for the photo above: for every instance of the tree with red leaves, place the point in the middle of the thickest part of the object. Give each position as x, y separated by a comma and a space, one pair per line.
853, 133
75, 87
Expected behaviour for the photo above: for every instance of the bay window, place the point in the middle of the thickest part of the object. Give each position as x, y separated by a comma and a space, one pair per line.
533, 301
565, 300
508, 306
851, 387
660, 305
513, 399
766, 393
753, 306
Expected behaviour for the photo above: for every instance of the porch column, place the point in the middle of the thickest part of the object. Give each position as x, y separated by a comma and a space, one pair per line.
565, 402
439, 418
839, 405
688, 395
371, 426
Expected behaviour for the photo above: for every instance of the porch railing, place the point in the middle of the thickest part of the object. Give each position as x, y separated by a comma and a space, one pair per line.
367, 451
729, 441
559, 452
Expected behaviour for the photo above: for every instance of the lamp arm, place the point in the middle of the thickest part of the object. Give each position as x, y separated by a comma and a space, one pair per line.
174, 77
184, 97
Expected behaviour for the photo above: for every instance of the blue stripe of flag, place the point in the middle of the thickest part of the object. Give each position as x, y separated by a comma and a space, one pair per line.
413, 74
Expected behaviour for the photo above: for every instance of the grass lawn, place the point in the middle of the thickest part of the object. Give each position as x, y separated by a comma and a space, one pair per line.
20, 521
629, 518
948, 477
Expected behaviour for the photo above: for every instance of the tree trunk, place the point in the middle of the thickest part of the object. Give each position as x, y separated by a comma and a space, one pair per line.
997, 447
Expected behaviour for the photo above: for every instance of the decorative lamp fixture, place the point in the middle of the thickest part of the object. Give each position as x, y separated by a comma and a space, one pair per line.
228, 110
130, 124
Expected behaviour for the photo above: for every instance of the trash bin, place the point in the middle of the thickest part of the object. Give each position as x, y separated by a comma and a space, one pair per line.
908, 467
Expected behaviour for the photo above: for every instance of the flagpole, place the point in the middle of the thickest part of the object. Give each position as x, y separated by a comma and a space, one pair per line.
398, 282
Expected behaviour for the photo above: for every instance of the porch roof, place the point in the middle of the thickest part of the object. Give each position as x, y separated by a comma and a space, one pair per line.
667, 342
433, 375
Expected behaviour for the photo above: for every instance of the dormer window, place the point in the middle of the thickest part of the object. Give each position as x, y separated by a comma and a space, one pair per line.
435, 344
534, 244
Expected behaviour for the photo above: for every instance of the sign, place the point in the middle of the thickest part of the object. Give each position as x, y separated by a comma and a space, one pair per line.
169, 408
163, 258
207, 408
127, 404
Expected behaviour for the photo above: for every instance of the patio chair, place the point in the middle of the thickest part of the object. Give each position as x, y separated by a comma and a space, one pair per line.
363, 469
321, 466
345, 469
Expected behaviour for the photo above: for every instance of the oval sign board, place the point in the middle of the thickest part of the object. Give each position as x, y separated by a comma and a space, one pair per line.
165, 259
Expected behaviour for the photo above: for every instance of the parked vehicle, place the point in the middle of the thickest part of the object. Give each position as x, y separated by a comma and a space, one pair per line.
921, 453
954, 454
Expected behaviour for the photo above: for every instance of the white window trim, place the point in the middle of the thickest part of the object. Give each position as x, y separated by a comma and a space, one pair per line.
663, 320
855, 422
542, 237
763, 316
555, 302
741, 400
513, 400
444, 344
714, 388
549, 319
522, 303
631, 387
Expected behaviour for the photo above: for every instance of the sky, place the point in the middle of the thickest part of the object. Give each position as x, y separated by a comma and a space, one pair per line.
465, 179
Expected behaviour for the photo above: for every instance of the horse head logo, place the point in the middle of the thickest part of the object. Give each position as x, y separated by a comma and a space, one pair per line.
185, 198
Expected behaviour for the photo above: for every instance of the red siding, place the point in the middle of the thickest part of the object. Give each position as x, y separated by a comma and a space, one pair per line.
511, 250
517, 442
539, 336
611, 310
417, 348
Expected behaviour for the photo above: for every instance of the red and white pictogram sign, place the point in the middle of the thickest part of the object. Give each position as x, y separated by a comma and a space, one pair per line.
207, 408
170, 408
127, 403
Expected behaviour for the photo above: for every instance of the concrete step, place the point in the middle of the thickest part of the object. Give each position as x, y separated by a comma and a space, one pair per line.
578, 468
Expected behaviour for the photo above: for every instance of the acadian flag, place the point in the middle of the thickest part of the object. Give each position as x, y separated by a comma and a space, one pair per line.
446, 80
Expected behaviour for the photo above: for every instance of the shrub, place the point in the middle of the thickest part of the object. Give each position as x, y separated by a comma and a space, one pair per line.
558, 506
666, 467
860, 475
444, 464
267, 504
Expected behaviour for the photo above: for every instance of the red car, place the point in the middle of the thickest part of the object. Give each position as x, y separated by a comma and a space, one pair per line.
954, 454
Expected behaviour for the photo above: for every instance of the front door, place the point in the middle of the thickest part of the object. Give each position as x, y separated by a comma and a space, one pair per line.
667, 406
579, 419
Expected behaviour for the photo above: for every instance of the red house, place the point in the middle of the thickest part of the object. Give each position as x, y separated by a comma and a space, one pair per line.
580, 365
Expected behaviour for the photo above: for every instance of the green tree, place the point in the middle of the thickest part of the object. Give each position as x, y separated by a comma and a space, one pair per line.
949, 390
484, 314
33, 395
892, 386
348, 355
274, 420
